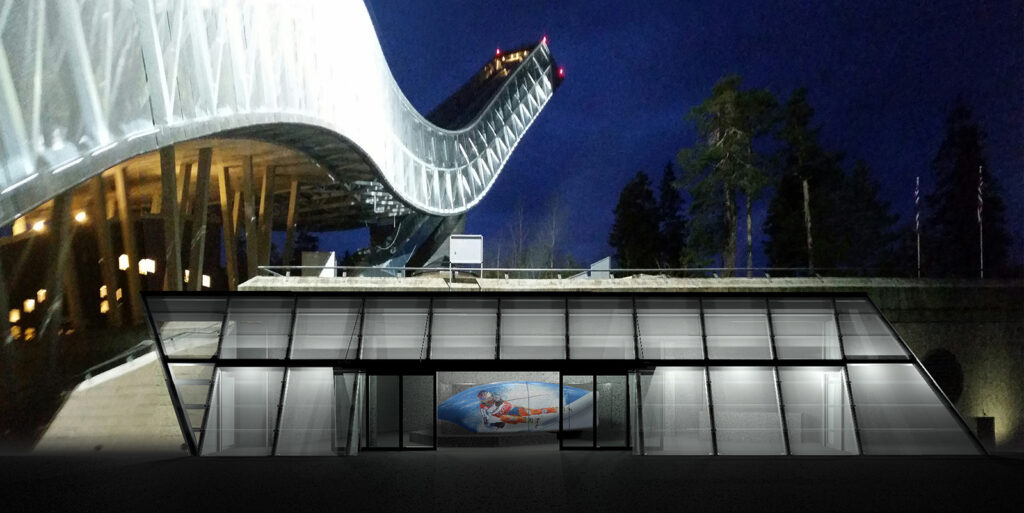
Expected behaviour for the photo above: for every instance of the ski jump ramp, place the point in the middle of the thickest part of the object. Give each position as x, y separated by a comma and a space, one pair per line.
87, 84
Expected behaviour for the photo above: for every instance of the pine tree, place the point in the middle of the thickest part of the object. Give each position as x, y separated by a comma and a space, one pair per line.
723, 163
801, 214
672, 221
949, 233
864, 224
635, 235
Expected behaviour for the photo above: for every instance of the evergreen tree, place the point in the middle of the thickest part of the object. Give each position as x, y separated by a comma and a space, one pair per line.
949, 232
802, 213
723, 162
865, 223
635, 235
672, 221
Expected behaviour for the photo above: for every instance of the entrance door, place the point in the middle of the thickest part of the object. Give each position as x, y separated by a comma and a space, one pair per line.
400, 412
595, 412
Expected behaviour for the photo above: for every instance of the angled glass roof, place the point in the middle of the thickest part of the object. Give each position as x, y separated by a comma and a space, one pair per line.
708, 374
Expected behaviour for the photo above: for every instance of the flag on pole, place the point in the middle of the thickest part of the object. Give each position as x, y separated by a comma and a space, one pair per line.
917, 204
981, 202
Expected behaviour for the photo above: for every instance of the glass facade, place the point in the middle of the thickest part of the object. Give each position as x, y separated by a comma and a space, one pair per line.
658, 374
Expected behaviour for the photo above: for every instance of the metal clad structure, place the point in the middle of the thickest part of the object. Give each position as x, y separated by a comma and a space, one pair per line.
86, 84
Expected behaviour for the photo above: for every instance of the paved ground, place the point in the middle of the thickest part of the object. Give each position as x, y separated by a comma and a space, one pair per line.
511, 479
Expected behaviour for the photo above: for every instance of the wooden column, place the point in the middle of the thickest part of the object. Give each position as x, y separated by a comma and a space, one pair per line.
128, 243
266, 214
228, 227
289, 234
198, 245
5, 309
108, 259
172, 224
60, 223
72, 296
252, 238
183, 186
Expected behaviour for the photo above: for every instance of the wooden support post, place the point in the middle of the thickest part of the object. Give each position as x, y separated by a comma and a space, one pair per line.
60, 223
228, 227
252, 238
236, 204
183, 188
108, 259
184, 201
266, 214
289, 234
72, 296
198, 245
172, 224
128, 243
5, 308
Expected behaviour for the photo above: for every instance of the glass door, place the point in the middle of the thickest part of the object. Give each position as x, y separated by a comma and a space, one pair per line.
400, 412
595, 412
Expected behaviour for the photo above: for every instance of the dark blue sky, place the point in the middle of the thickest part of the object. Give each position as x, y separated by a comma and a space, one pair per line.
882, 76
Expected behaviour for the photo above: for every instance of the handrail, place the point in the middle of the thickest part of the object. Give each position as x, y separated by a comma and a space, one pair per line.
739, 272
121, 358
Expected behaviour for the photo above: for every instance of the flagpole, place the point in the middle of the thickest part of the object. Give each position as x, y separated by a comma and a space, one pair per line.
917, 221
981, 237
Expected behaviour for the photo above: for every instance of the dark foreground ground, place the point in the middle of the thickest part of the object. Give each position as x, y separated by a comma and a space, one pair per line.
508, 480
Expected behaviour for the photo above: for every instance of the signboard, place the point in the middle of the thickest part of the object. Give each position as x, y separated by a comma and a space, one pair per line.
466, 249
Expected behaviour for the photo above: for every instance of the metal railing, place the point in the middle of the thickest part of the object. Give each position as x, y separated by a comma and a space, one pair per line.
121, 358
352, 271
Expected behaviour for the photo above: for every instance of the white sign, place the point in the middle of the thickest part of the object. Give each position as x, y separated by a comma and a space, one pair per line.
466, 249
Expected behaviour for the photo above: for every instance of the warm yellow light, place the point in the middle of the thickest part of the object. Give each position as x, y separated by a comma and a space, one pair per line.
80, 216
40, 295
122, 262
30, 333
206, 280
14, 316
104, 306
16, 332
147, 266
103, 291
186, 275
29, 305
39, 226
18, 227
117, 294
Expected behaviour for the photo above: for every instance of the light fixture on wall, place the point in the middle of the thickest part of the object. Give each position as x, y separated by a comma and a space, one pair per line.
122, 262
147, 266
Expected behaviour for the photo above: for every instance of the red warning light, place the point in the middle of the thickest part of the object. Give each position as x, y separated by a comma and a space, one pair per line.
544, 40
561, 72
497, 52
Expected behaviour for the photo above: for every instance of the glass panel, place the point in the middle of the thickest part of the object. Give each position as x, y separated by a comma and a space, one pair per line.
675, 411
395, 328
307, 421
669, 328
737, 328
899, 413
257, 328
865, 334
532, 328
348, 388
578, 411
383, 398
192, 383
601, 328
612, 428
818, 416
418, 411
326, 328
805, 328
188, 327
464, 328
746, 411
243, 413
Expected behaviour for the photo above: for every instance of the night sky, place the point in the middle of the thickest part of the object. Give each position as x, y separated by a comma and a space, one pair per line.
882, 76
